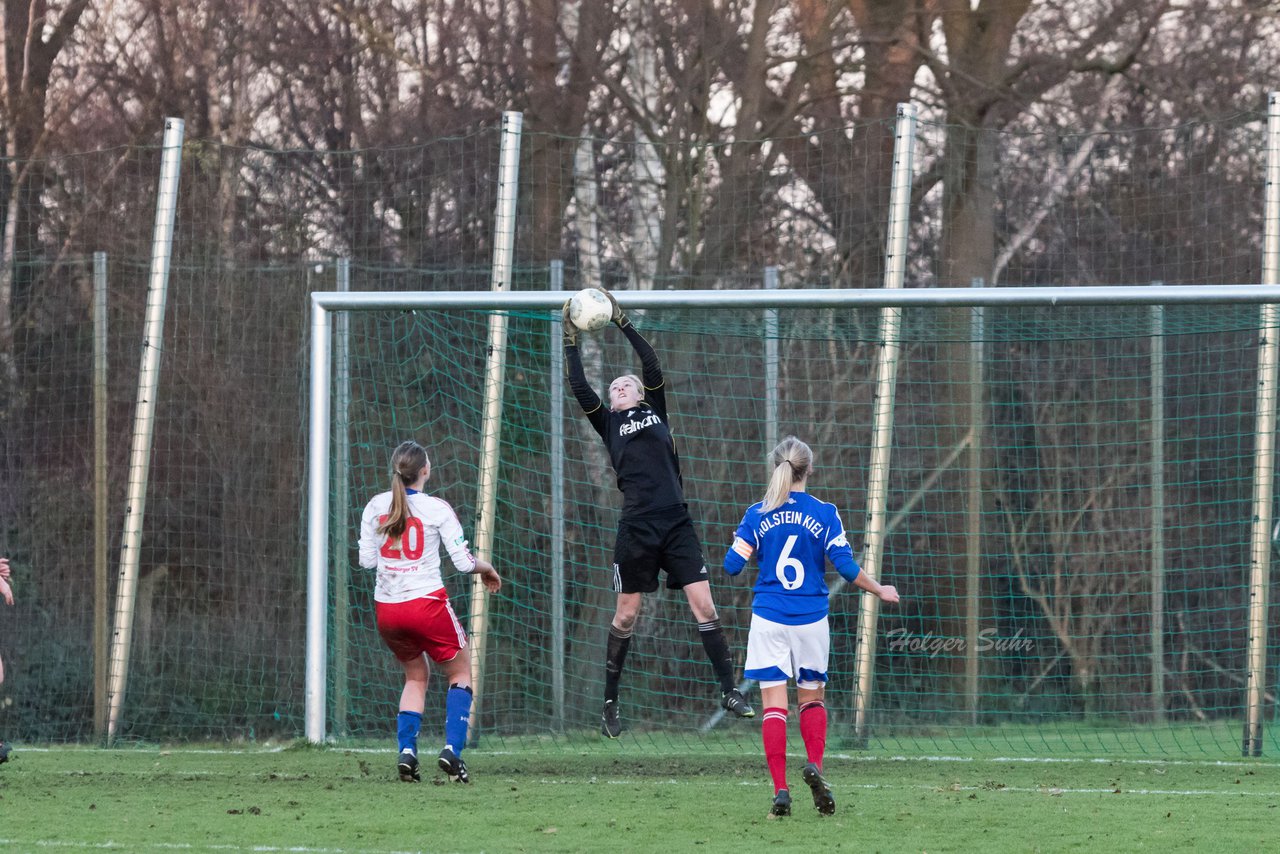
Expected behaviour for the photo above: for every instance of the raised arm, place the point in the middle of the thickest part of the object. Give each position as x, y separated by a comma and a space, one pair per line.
582, 390
650, 367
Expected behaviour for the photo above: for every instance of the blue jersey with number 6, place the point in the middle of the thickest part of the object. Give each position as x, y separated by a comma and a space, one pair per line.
791, 544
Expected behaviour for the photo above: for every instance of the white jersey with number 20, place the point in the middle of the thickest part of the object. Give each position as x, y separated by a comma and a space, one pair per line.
409, 566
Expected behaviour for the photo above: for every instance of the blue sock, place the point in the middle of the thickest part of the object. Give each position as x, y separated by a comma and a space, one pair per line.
457, 716
407, 726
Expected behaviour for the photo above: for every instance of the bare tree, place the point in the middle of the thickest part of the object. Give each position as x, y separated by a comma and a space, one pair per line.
32, 36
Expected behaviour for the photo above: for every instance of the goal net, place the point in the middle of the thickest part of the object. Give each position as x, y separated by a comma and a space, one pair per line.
1068, 516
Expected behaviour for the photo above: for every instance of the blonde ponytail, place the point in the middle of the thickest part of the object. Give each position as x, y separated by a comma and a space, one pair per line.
792, 461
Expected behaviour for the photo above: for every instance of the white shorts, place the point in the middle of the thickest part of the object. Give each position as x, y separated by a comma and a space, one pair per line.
777, 652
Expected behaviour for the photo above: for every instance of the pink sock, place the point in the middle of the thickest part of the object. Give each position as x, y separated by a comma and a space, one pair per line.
813, 729
774, 733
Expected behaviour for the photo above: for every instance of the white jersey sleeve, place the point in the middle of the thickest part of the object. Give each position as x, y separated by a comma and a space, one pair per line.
453, 539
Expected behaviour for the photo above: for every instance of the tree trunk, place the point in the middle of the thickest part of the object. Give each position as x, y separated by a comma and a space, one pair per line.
978, 43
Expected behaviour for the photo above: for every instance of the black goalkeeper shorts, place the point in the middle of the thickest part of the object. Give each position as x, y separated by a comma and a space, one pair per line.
654, 544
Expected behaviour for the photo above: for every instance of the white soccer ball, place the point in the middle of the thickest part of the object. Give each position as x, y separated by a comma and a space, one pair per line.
590, 310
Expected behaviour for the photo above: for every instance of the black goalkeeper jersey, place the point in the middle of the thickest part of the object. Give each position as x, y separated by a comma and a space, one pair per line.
639, 440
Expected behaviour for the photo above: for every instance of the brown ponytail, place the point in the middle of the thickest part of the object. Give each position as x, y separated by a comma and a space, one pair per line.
406, 462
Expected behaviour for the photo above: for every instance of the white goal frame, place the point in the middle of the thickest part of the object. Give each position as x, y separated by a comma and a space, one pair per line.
324, 305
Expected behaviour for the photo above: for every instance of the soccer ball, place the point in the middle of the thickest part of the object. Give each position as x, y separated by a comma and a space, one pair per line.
590, 310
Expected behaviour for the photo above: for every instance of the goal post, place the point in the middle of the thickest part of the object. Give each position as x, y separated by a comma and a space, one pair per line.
716, 388
1264, 486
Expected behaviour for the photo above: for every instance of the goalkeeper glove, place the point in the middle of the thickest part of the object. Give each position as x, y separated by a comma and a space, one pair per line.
567, 329
618, 317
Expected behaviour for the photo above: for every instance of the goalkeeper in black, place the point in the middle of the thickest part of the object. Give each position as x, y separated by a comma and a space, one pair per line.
655, 531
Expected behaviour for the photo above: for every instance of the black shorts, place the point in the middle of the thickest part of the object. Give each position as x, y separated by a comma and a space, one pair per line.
656, 544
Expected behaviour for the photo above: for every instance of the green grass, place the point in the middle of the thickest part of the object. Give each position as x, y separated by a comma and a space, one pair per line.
1211, 740
625, 797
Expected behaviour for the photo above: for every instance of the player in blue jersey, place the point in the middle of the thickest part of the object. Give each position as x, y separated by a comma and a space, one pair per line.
791, 534
655, 531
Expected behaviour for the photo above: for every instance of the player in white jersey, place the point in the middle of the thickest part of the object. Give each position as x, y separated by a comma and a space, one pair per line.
791, 534
401, 534
6, 593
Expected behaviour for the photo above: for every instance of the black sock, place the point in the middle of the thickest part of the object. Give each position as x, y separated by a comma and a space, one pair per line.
718, 651
619, 643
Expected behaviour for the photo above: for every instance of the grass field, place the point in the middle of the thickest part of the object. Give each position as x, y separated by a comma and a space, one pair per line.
623, 798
